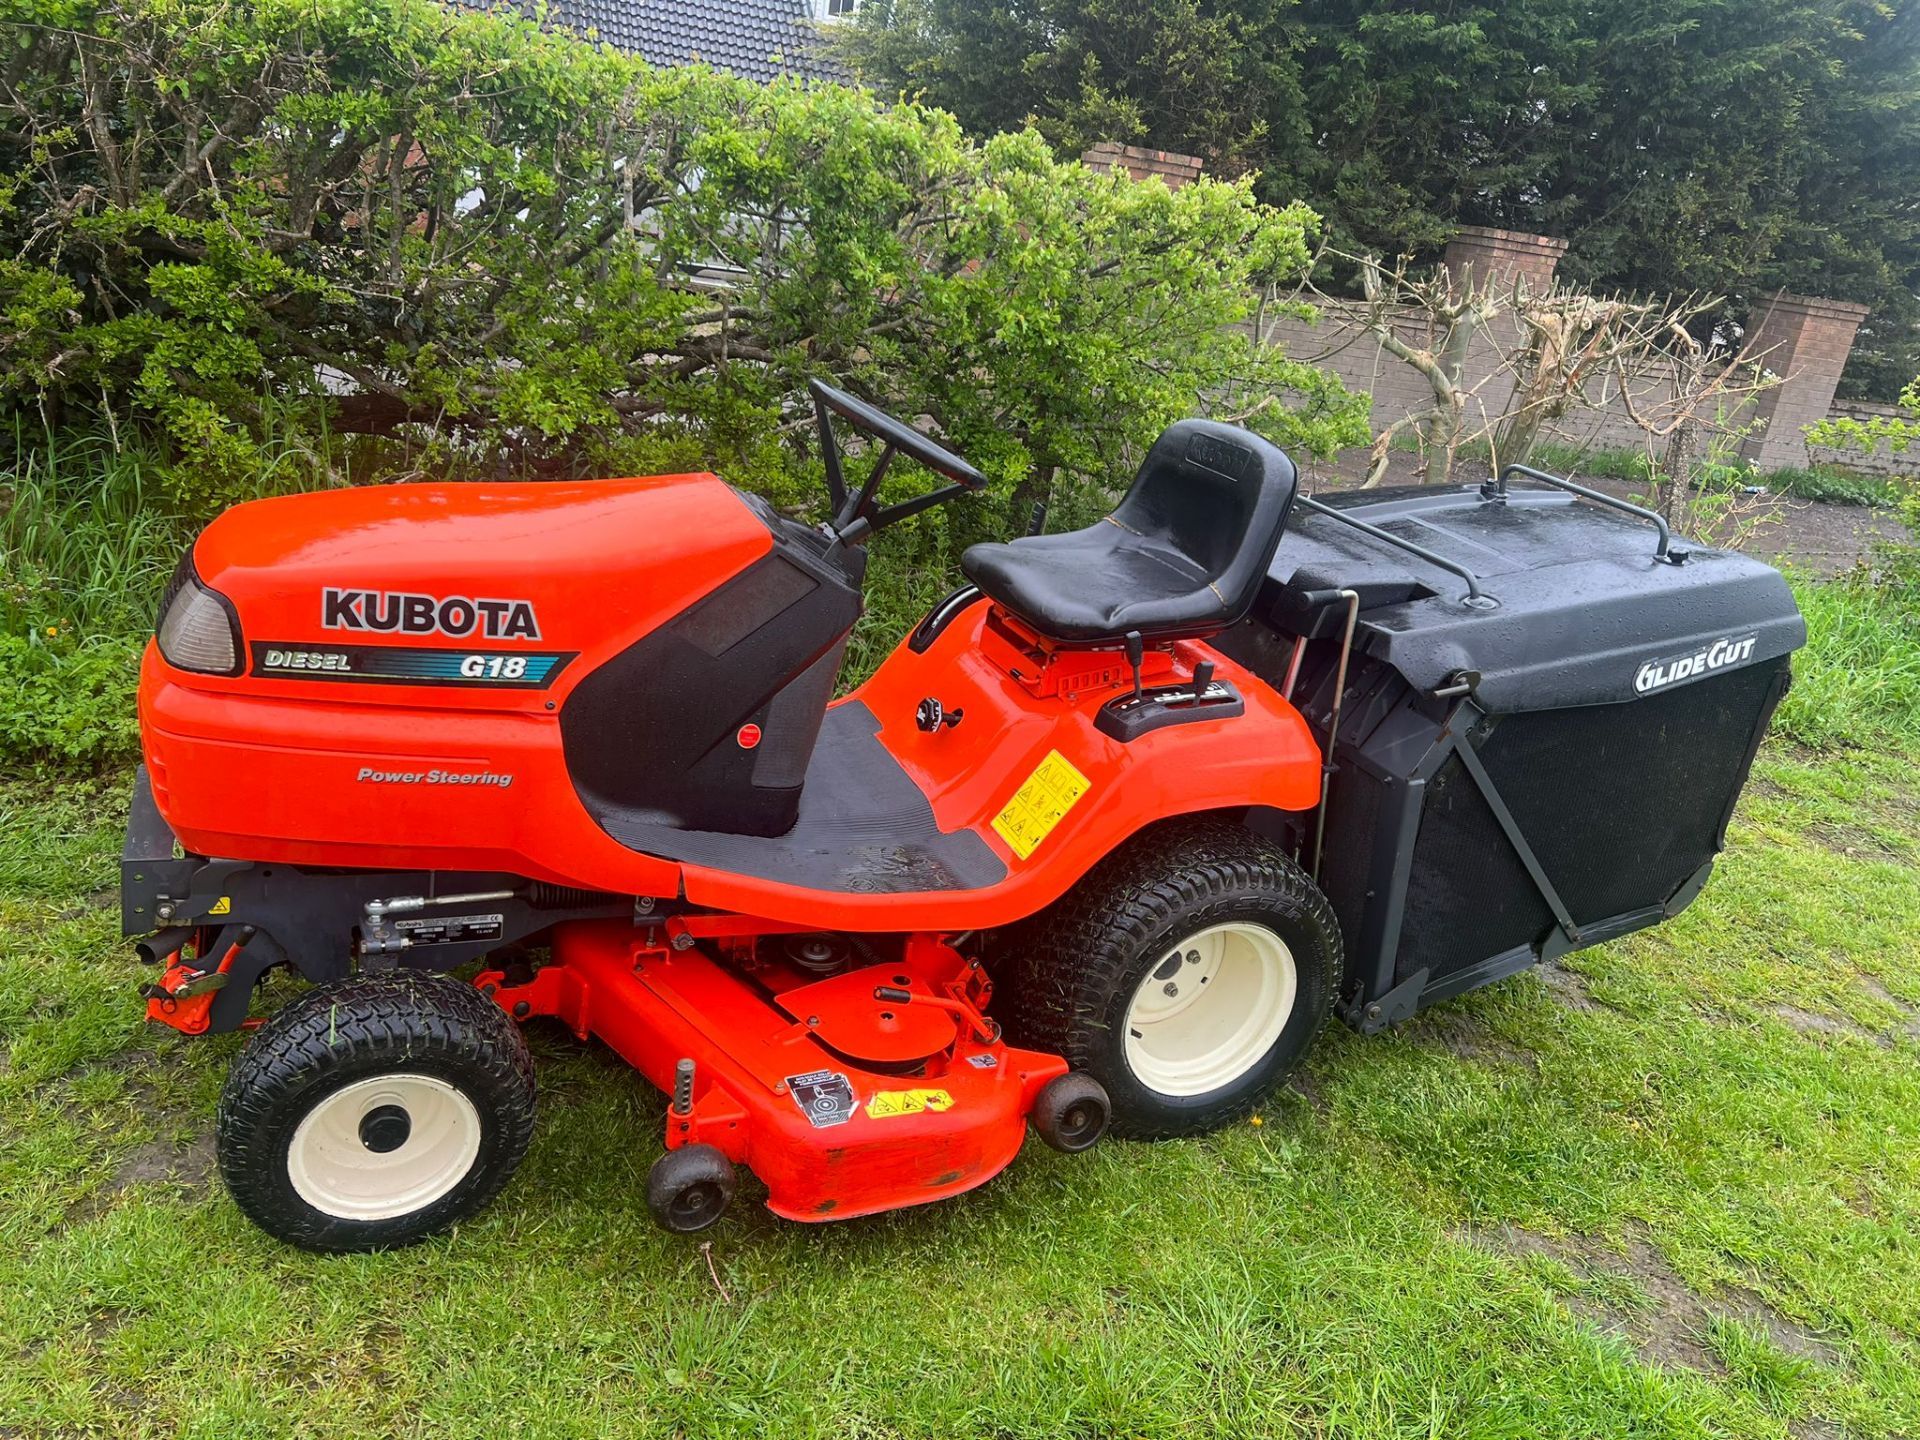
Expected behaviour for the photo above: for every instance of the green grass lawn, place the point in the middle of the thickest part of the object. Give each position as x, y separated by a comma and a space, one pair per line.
1670, 1189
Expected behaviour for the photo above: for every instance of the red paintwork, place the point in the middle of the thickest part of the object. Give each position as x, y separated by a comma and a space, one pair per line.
265, 768
191, 1014
268, 769
654, 1005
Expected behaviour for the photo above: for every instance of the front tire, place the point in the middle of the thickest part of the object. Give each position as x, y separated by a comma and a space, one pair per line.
376, 1112
1188, 973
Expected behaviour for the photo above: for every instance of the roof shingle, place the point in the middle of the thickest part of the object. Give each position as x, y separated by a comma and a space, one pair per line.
755, 39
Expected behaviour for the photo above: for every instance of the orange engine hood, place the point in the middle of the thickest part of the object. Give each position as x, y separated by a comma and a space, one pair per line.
577, 567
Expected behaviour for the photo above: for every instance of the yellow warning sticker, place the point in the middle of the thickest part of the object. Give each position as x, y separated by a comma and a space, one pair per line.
222, 906
888, 1103
1040, 803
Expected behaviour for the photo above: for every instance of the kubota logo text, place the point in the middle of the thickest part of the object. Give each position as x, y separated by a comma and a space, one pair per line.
1658, 674
406, 614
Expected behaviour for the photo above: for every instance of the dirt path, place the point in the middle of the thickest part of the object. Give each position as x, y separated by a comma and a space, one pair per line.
1810, 535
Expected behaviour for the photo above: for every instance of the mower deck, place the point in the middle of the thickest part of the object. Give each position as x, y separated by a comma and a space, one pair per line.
876, 1088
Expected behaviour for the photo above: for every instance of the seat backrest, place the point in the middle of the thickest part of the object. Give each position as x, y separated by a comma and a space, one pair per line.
1219, 495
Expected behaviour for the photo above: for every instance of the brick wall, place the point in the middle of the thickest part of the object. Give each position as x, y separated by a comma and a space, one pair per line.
1176, 170
1882, 461
1340, 344
1804, 340
1479, 254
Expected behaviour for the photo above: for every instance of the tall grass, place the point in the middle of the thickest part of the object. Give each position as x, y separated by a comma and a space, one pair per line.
1858, 680
86, 537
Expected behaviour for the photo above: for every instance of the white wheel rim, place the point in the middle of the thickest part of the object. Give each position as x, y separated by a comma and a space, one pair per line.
1210, 1009
345, 1160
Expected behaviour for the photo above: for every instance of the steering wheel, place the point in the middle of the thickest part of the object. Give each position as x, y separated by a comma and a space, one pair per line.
857, 516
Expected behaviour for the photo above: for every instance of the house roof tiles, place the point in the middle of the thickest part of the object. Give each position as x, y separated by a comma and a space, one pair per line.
755, 39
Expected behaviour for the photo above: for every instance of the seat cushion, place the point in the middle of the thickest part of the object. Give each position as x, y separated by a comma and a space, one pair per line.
1095, 583
1182, 554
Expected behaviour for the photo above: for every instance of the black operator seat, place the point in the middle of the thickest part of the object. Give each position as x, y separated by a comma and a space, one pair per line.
1183, 553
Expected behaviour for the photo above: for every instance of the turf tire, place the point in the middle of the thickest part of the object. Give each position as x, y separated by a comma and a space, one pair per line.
360, 1029
1066, 977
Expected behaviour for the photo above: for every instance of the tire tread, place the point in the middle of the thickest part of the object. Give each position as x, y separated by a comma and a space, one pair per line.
1058, 970
354, 1025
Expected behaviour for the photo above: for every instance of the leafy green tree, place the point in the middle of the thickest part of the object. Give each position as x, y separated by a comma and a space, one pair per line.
1428, 116
1727, 147
1204, 77
1741, 146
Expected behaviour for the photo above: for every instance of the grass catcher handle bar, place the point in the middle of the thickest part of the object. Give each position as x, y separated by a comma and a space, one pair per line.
1476, 597
1663, 549
856, 516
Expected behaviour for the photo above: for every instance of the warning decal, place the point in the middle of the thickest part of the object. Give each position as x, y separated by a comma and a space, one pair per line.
887, 1103
1039, 804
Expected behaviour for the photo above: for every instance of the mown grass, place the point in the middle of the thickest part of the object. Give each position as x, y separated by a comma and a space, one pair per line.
1735, 1094
1667, 1190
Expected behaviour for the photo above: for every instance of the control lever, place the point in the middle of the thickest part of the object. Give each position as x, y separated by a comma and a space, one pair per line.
985, 1031
1202, 678
1136, 656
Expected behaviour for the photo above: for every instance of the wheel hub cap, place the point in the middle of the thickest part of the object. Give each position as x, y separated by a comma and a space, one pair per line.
1211, 1010
384, 1147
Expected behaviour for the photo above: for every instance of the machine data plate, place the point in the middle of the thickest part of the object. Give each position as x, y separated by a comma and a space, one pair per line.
450, 929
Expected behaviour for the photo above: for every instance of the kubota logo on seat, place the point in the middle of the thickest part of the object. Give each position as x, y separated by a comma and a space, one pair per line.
407, 614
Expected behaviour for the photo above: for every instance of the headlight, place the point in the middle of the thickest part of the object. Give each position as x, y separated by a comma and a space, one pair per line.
198, 628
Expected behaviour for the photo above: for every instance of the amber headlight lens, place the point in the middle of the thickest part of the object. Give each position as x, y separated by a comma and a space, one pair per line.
198, 629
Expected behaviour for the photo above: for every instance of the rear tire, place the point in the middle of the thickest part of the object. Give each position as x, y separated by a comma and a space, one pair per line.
375, 1112
1188, 973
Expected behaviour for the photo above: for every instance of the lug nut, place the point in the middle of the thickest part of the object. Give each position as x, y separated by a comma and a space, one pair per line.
1171, 988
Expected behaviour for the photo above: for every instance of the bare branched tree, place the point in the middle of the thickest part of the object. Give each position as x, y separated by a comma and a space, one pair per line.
1706, 403
1505, 360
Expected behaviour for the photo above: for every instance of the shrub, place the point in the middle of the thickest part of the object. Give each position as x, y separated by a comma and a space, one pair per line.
68, 706
512, 249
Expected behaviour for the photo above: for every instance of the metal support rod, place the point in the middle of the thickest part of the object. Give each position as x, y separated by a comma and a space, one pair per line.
1293, 667
1352, 597
1470, 758
683, 1087
1475, 594
376, 908
1661, 551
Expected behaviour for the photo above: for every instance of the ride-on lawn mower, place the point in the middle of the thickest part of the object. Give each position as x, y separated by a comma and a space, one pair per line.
1156, 796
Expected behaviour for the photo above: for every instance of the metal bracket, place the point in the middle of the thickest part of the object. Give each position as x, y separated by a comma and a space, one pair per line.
1471, 760
1370, 1017
1663, 550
